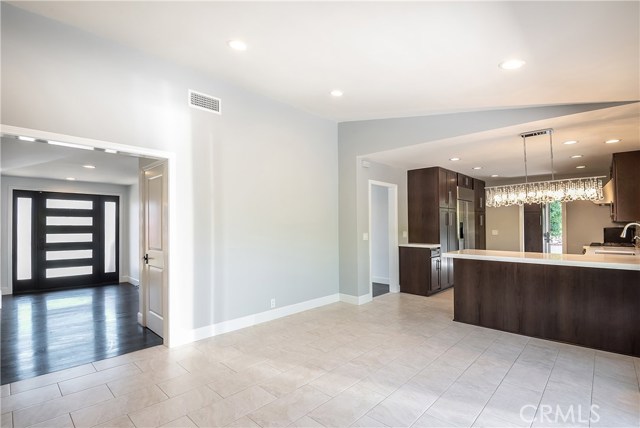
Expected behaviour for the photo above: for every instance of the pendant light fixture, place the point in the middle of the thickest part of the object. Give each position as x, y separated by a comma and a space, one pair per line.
543, 192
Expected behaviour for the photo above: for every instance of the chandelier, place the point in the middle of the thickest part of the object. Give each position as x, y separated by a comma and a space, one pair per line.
543, 192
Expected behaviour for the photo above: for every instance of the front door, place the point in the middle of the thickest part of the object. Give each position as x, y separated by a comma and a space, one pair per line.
155, 247
63, 240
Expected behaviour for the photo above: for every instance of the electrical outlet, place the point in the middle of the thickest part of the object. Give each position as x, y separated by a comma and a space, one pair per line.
273, 303
494, 232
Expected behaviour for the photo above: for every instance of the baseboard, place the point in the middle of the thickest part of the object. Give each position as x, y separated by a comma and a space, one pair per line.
251, 320
130, 280
139, 318
380, 280
355, 300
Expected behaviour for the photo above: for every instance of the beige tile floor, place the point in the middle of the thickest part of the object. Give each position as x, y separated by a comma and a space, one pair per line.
398, 361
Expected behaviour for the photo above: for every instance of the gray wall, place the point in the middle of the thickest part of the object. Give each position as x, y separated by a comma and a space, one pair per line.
506, 222
379, 234
258, 185
584, 224
8, 184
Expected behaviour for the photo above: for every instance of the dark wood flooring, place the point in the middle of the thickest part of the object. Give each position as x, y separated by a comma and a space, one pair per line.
55, 330
379, 289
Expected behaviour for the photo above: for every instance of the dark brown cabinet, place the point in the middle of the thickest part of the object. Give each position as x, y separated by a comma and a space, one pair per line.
447, 183
419, 272
625, 171
533, 228
478, 188
465, 181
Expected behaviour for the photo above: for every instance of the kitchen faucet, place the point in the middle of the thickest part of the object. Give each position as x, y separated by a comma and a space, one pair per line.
624, 232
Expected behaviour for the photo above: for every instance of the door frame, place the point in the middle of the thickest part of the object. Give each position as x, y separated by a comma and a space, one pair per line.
394, 270
172, 189
144, 283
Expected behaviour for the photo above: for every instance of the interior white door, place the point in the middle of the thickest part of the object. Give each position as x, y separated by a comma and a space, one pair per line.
155, 247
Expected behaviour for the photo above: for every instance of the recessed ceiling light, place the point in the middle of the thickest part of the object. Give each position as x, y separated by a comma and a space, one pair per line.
23, 138
89, 166
110, 151
511, 64
237, 45
571, 142
494, 175
576, 156
477, 167
612, 141
454, 159
73, 146
71, 178
336, 93
581, 166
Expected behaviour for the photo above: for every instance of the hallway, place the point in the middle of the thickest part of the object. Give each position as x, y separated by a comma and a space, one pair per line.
51, 331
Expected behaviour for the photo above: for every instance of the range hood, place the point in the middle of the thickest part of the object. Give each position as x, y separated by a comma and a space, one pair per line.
608, 191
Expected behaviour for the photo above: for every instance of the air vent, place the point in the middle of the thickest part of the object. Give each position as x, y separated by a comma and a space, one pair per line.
204, 102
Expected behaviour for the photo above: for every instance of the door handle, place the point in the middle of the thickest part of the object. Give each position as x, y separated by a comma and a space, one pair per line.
146, 259
481, 220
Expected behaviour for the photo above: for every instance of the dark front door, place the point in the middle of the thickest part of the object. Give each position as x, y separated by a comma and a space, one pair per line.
533, 228
63, 240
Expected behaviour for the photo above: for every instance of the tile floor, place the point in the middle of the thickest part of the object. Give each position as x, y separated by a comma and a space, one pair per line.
397, 361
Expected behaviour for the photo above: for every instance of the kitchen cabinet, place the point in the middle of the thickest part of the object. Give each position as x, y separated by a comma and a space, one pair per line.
625, 171
449, 242
478, 188
481, 230
481, 214
447, 192
419, 272
465, 181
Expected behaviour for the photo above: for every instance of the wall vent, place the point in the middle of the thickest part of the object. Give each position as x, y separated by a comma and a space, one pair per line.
204, 102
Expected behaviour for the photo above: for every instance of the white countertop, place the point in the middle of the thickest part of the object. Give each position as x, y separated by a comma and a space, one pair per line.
603, 261
420, 245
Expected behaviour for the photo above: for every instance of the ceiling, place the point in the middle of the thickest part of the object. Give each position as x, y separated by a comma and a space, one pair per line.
395, 59
41, 160
391, 59
500, 151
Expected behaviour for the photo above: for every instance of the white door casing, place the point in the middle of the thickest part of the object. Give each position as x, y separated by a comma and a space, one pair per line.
154, 272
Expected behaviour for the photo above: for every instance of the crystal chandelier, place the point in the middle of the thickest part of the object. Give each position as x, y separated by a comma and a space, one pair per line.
543, 192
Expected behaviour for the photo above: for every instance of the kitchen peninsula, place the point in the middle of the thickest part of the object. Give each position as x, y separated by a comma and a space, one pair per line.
588, 300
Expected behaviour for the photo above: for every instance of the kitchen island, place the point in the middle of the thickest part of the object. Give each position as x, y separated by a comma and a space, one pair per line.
588, 300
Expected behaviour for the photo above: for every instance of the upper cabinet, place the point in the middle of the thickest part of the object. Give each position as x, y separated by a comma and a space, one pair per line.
447, 182
625, 171
465, 181
478, 188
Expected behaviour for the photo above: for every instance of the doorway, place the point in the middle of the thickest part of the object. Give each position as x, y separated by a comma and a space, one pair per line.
64, 240
383, 242
542, 227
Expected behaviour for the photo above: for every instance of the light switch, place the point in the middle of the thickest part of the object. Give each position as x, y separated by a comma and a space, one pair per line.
365, 236
494, 232
404, 234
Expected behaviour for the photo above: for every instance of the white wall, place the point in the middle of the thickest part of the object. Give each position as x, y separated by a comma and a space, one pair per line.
257, 199
379, 234
133, 216
584, 224
506, 222
8, 184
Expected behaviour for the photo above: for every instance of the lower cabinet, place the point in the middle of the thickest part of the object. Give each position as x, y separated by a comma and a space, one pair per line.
422, 274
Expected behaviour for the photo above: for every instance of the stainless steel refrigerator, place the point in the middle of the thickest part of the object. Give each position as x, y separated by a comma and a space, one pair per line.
466, 222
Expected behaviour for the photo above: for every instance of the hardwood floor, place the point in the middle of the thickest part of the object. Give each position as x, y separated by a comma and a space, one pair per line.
55, 330
379, 289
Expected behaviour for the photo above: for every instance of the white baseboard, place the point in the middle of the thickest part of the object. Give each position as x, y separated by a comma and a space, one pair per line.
130, 280
250, 320
355, 300
380, 280
139, 318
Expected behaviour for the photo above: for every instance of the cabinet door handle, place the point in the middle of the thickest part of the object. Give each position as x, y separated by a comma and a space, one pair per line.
481, 220
481, 202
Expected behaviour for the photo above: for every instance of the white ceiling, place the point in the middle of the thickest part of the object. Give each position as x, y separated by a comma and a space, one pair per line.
41, 160
500, 151
395, 59
391, 59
